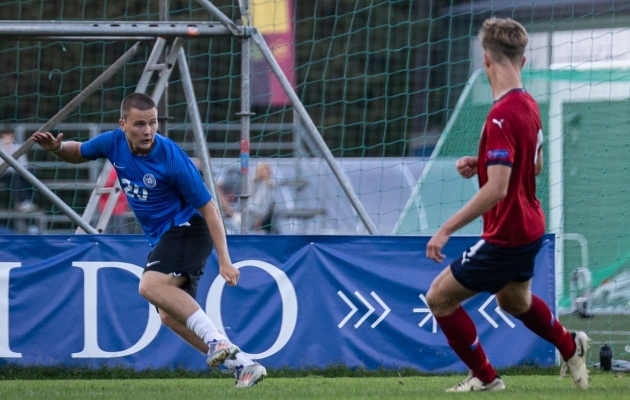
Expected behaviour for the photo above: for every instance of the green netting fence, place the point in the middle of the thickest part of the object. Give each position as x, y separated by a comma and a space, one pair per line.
582, 187
359, 68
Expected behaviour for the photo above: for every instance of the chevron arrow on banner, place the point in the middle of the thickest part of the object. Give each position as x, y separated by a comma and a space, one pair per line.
382, 303
429, 314
350, 304
482, 311
371, 309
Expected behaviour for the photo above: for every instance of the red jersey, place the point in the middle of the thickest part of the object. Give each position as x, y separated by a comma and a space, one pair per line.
512, 136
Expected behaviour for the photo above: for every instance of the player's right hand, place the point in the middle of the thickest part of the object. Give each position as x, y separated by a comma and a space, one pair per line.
47, 140
230, 273
467, 166
434, 247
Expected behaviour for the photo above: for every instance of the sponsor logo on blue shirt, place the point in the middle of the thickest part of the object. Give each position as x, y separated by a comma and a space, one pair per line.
498, 154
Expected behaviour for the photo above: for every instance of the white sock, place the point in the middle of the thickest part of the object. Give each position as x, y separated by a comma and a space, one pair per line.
240, 360
203, 327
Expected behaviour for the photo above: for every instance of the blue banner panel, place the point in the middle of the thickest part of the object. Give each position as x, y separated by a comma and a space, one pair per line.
302, 301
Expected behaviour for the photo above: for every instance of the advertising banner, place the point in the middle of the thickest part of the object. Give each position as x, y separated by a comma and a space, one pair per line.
302, 301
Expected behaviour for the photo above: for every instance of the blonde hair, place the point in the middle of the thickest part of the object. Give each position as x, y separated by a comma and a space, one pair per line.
503, 38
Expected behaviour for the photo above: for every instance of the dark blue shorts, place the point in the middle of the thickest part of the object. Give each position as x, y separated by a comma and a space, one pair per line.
485, 267
183, 250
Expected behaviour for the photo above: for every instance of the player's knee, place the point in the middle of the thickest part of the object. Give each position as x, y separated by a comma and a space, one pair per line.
435, 301
145, 290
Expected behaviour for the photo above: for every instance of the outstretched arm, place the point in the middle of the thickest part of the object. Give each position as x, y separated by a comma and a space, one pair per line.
68, 151
213, 218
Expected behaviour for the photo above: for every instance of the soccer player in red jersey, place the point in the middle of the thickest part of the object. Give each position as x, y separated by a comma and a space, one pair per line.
502, 262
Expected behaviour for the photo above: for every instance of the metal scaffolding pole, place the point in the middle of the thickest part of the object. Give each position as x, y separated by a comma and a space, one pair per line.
195, 119
245, 114
92, 38
80, 98
312, 131
142, 31
223, 19
165, 69
30, 178
163, 116
96, 29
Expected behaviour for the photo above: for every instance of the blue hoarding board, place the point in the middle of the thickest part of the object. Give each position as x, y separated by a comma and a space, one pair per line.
302, 301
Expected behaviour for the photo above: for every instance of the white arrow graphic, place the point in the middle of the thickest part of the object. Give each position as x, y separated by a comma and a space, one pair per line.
382, 303
429, 314
349, 303
354, 309
498, 311
367, 314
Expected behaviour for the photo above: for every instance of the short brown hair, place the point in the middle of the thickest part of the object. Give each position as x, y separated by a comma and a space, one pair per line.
139, 101
503, 38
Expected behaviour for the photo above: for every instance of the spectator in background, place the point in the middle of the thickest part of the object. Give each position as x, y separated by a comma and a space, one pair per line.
261, 202
22, 190
228, 191
117, 223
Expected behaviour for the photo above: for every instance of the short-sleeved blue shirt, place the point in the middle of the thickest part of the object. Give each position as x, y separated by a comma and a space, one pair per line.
163, 188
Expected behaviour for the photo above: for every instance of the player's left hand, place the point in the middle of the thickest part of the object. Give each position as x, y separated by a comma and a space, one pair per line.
467, 166
435, 245
229, 273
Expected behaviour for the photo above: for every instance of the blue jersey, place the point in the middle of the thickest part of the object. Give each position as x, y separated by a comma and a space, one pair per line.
163, 188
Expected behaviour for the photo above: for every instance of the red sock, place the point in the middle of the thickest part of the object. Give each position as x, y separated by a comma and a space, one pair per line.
461, 334
539, 320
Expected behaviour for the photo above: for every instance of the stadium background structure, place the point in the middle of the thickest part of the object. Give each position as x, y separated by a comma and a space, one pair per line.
137, 30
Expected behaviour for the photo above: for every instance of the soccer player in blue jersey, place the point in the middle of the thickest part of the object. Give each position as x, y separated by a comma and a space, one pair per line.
180, 219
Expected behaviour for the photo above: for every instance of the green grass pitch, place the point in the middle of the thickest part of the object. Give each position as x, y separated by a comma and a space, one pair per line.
531, 387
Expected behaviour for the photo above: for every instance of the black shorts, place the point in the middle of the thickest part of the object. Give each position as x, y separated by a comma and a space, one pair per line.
183, 250
485, 267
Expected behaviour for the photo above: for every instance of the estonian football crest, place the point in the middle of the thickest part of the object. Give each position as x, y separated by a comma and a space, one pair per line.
149, 180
